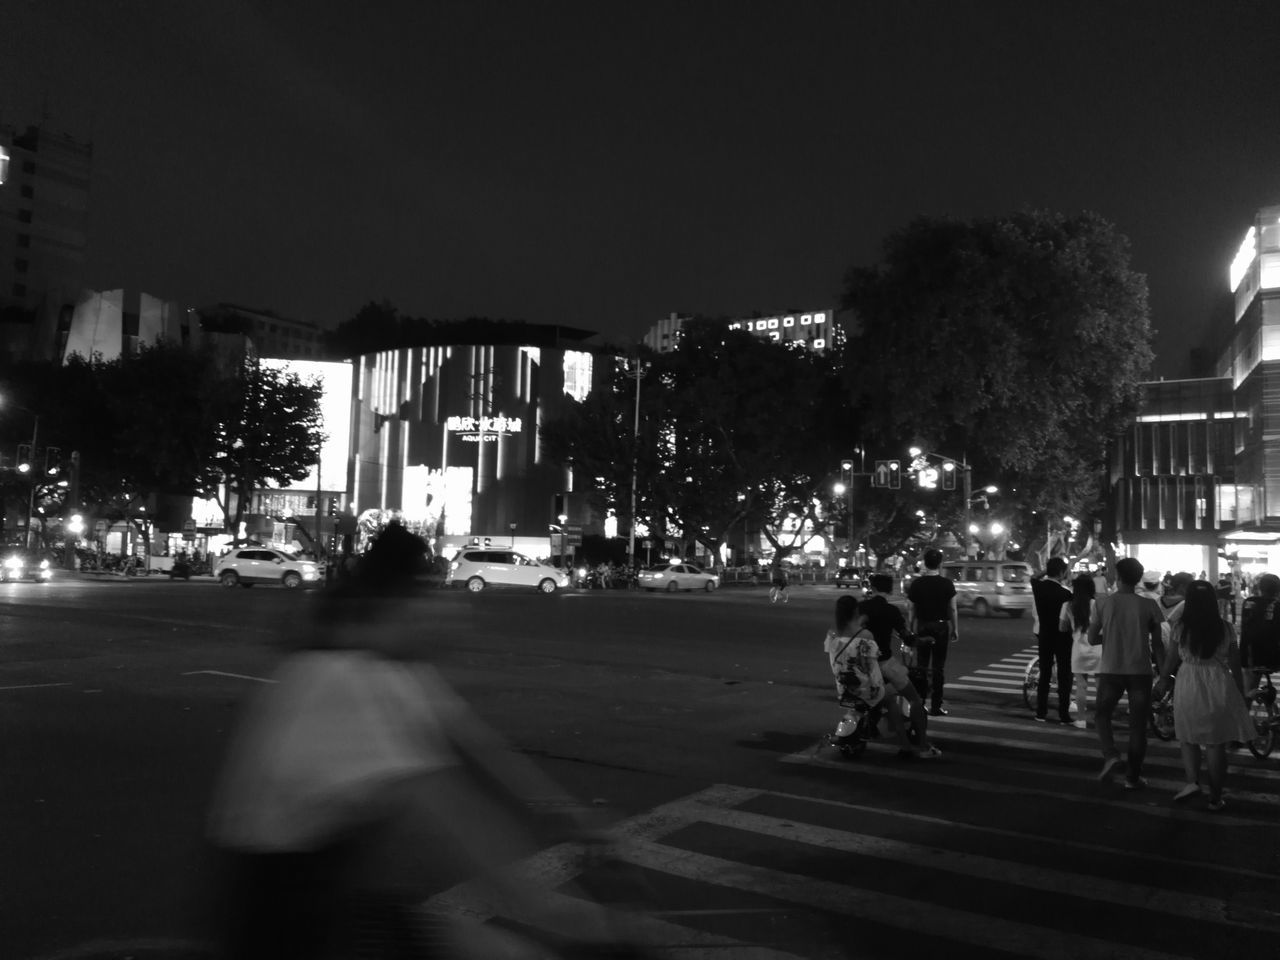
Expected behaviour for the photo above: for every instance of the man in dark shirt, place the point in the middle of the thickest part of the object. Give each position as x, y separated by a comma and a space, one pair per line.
934, 619
1050, 593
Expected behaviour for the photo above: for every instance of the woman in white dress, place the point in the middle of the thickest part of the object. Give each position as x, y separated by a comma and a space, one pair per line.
1209, 711
1074, 619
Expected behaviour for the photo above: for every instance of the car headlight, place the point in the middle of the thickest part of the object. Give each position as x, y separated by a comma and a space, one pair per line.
13, 563
657, 576
310, 568
44, 564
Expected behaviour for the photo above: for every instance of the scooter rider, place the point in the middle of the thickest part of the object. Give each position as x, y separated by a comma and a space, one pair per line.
884, 619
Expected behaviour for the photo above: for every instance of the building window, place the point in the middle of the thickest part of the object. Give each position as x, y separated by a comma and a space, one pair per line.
20, 265
19, 290
28, 166
27, 191
24, 239
24, 216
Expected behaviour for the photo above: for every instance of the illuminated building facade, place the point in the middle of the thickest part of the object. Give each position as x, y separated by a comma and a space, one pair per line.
448, 433
1197, 477
814, 329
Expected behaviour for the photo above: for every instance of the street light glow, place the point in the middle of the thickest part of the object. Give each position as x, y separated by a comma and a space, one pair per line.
915, 451
839, 488
997, 528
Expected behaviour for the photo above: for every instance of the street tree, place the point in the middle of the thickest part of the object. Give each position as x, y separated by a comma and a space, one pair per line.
735, 432
269, 431
1015, 343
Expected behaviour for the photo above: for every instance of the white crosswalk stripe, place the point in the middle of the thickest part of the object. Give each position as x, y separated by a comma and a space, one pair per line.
1003, 676
782, 851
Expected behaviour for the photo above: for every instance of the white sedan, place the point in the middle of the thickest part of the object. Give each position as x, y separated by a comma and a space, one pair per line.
678, 576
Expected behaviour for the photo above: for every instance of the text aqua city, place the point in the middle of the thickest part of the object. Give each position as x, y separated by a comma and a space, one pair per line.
473, 428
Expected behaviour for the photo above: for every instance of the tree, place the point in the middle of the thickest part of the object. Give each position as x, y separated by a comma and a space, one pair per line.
268, 431
1016, 343
735, 432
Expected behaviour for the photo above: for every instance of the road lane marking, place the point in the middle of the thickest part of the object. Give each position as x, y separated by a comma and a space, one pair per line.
223, 673
1061, 882
872, 906
928, 773
35, 686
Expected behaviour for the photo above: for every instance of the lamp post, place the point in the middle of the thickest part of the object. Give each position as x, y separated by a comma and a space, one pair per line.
949, 465
512, 525
635, 462
30, 467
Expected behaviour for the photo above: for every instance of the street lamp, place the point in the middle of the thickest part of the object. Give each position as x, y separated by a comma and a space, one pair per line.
635, 460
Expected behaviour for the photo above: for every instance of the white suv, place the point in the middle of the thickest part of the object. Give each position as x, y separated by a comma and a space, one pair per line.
245, 566
479, 567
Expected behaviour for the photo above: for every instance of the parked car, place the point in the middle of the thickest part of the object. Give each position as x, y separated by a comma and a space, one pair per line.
245, 566
478, 568
678, 576
25, 565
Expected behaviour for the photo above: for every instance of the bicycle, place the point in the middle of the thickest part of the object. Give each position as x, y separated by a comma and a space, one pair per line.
1262, 708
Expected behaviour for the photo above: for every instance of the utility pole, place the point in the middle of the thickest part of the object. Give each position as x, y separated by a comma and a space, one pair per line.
31, 496
635, 464
968, 506
73, 502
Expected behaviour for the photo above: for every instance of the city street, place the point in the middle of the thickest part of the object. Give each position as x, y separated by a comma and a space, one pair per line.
692, 724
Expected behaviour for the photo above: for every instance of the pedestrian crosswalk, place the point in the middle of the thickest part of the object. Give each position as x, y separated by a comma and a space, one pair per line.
1003, 676
1007, 846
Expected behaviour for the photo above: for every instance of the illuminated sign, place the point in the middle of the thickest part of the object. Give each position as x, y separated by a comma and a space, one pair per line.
792, 327
1244, 258
4, 165
497, 424
335, 411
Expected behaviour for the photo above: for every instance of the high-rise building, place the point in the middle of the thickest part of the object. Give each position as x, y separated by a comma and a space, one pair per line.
1196, 479
814, 329
44, 208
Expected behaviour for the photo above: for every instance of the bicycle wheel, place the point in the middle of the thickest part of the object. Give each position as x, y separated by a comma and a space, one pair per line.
1031, 683
1264, 719
1161, 720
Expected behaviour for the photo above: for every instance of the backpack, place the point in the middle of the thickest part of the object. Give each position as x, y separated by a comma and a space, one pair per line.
859, 676
1260, 632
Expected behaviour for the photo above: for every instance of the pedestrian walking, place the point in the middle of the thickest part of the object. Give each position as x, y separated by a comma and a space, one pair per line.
1053, 643
1209, 711
778, 574
1131, 625
1074, 620
933, 618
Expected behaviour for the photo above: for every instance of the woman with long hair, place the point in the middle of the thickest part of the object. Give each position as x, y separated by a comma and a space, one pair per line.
1209, 711
1084, 658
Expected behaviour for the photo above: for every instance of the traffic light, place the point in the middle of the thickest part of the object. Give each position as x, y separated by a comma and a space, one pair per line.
949, 475
23, 460
557, 507
895, 474
311, 503
52, 461
333, 507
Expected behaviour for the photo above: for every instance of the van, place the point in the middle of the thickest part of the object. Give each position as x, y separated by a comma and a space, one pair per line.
480, 568
984, 586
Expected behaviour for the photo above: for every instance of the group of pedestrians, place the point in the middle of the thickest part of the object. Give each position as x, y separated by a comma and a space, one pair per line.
1131, 643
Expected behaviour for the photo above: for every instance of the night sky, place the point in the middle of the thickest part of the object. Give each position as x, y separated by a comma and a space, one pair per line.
603, 164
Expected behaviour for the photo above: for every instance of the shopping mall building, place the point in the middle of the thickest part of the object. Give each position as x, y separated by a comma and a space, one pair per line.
1195, 481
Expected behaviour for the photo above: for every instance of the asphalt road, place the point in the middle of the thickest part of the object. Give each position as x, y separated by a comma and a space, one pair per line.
691, 724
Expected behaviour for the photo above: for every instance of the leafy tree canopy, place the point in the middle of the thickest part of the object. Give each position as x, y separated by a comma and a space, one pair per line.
734, 430
1016, 343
